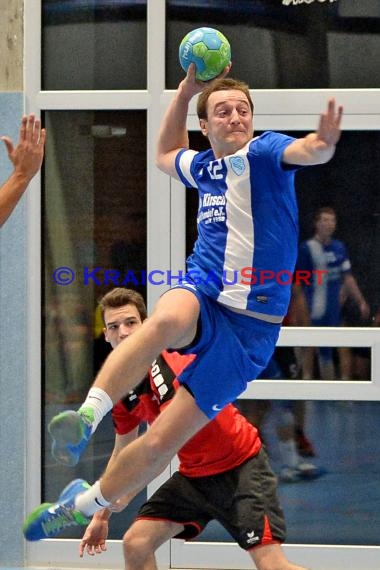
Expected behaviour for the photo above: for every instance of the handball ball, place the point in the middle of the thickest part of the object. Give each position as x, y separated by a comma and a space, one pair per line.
209, 49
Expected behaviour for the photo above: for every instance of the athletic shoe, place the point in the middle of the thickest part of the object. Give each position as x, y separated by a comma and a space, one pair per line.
303, 472
73, 489
304, 445
49, 519
71, 432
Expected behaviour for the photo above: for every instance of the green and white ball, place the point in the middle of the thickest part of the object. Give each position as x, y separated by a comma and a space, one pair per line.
209, 49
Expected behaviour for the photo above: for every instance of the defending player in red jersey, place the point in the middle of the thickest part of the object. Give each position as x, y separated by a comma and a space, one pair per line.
223, 473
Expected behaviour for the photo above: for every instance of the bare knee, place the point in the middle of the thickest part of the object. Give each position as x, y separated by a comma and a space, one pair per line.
272, 557
175, 318
137, 548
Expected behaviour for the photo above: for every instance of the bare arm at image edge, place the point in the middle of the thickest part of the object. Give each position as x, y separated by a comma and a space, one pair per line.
26, 158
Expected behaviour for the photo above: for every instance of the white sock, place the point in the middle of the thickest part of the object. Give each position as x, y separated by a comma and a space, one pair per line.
288, 453
91, 501
100, 402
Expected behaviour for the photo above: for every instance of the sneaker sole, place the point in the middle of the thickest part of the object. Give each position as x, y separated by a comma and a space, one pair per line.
64, 455
66, 428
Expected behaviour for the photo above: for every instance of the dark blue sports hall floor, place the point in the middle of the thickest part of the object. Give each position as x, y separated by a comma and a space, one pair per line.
341, 507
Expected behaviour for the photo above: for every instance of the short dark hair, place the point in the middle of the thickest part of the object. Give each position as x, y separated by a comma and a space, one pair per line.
121, 296
225, 84
323, 210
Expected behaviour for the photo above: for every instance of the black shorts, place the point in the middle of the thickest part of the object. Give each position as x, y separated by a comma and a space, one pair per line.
244, 501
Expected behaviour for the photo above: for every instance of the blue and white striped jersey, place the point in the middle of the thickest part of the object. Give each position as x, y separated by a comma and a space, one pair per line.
323, 297
247, 224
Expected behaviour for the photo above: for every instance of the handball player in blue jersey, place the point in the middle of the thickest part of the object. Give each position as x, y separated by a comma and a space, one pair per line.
324, 296
247, 219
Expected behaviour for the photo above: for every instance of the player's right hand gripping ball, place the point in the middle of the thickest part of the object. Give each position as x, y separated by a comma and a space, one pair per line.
209, 49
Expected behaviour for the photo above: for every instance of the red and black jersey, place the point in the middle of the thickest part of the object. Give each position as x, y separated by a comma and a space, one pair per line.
224, 443
139, 405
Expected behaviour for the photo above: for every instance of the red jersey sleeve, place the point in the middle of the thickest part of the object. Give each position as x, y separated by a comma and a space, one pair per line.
123, 421
139, 405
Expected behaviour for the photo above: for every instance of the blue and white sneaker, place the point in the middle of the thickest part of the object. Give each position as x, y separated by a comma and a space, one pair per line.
303, 472
49, 519
71, 432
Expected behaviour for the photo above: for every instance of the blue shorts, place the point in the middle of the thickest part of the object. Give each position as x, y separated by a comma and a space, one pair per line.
332, 319
231, 350
327, 321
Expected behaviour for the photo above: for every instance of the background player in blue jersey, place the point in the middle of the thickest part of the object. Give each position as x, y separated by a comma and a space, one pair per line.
247, 219
324, 297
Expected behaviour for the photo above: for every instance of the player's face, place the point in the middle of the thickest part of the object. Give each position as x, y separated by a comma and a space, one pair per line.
120, 323
325, 225
229, 124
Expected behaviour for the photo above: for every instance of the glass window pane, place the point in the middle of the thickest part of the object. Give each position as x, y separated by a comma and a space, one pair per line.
286, 44
94, 235
347, 185
92, 45
319, 363
321, 510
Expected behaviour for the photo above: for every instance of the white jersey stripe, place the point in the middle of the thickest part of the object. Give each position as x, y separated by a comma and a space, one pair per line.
319, 303
240, 236
185, 163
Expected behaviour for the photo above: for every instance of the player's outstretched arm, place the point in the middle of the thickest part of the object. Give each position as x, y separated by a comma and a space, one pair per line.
317, 147
26, 158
